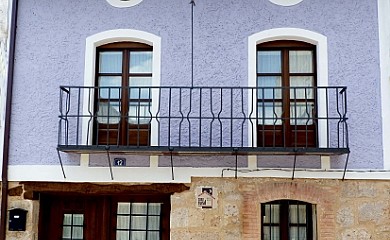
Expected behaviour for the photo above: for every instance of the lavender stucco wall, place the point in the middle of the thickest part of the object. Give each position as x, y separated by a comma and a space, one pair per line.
51, 44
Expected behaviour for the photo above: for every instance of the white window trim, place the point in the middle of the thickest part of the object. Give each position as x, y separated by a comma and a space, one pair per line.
123, 4
120, 35
286, 3
384, 43
322, 68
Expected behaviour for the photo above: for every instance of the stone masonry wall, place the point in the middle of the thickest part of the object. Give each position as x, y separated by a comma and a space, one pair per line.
346, 210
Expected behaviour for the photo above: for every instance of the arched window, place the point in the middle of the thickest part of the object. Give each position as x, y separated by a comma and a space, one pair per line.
123, 100
288, 220
286, 95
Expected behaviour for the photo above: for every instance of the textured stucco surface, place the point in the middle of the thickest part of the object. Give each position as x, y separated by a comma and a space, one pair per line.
51, 44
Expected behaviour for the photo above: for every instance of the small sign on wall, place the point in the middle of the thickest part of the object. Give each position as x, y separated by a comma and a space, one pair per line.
206, 197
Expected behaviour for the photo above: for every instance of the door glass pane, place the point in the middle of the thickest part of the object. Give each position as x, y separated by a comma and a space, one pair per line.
301, 61
122, 235
301, 113
141, 62
269, 113
269, 62
123, 222
297, 213
138, 235
77, 233
136, 90
154, 208
66, 232
269, 87
298, 233
109, 113
110, 87
67, 219
271, 213
110, 62
139, 113
154, 223
123, 208
138, 222
78, 219
301, 87
73, 226
271, 233
139, 208
153, 236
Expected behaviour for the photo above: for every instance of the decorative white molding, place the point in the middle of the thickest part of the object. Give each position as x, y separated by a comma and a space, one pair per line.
123, 4
384, 43
297, 34
120, 35
286, 3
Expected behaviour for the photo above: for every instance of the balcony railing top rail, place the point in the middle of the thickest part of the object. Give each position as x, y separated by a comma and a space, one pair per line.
204, 120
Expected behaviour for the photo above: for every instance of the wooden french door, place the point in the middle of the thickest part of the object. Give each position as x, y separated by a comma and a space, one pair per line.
104, 217
69, 217
123, 98
286, 94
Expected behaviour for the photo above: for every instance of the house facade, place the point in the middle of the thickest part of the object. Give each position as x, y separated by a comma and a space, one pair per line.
151, 119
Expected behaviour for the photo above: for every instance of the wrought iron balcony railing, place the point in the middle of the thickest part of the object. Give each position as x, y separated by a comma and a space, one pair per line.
208, 120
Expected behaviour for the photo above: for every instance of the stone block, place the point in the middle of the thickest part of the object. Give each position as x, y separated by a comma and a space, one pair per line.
179, 218
345, 217
372, 212
356, 234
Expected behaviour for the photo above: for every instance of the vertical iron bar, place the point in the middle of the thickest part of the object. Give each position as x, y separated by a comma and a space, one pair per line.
307, 121
231, 117
200, 117
67, 107
138, 116
340, 118
90, 116
250, 116
219, 119
327, 118
244, 117
263, 116
345, 120
157, 114
181, 114
60, 119
169, 117
213, 117
188, 119
274, 120
295, 118
78, 116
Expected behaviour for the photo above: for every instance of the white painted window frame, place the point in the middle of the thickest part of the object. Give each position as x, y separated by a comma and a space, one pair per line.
384, 45
112, 36
297, 34
123, 4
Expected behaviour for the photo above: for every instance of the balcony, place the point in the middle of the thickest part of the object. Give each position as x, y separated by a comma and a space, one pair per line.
203, 120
